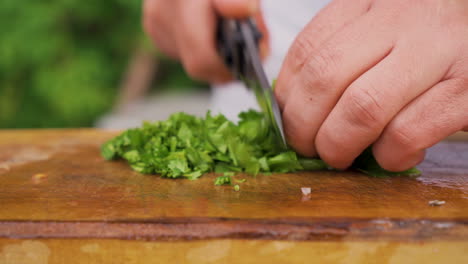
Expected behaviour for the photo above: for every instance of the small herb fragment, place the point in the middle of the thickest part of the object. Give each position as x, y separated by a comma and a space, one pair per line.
236, 187
223, 180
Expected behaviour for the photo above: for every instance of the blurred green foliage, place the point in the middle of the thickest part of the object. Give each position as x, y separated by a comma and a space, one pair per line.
61, 61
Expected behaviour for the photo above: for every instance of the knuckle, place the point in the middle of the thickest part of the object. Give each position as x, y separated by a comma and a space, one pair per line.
403, 136
300, 50
319, 71
362, 108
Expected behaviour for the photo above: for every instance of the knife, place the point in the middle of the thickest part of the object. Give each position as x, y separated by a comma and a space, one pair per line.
237, 42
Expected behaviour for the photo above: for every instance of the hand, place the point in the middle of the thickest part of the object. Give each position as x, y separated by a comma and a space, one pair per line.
186, 30
392, 73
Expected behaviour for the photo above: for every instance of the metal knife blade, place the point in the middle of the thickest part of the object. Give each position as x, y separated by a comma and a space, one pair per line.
238, 45
258, 82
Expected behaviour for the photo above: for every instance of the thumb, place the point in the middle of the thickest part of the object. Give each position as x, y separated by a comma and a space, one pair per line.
236, 8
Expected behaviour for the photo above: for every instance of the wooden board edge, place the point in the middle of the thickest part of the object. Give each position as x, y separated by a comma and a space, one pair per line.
212, 228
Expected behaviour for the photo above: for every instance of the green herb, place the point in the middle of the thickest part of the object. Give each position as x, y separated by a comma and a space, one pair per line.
241, 181
223, 180
236, 187
188, 146
367, 164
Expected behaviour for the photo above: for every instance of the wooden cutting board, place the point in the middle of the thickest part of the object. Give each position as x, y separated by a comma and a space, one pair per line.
61, 202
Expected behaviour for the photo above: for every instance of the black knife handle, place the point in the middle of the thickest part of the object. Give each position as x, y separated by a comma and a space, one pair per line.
231, 44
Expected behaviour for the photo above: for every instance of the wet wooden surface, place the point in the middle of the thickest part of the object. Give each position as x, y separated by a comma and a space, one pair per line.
55, 185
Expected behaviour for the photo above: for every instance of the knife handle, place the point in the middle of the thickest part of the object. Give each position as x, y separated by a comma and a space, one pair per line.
231, 44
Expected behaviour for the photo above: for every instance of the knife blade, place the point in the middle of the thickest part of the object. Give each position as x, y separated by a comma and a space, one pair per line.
238, 45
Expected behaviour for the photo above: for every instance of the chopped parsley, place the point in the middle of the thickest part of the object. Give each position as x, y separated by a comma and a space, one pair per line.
185, 146
223, 180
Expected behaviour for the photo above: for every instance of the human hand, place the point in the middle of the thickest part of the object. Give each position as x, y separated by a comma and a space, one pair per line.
186, 30
392, 73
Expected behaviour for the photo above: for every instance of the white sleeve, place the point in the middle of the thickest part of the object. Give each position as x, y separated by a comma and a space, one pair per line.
284, 19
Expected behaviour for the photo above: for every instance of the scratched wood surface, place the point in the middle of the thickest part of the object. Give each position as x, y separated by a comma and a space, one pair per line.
55, 185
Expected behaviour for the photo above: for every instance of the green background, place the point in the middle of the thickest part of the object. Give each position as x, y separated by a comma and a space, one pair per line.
61, 61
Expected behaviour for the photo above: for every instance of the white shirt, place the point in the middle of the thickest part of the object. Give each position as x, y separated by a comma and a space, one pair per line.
284, 19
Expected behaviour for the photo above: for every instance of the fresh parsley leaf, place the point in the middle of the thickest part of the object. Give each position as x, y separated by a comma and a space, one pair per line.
367, 164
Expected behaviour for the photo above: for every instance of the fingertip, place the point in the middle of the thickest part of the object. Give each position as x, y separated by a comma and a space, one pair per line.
279, 94
283, 86
397, 162
237, 8
332, 149
297, 133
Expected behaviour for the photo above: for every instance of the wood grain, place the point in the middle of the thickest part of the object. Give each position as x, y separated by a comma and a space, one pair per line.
89, 251
79, 195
